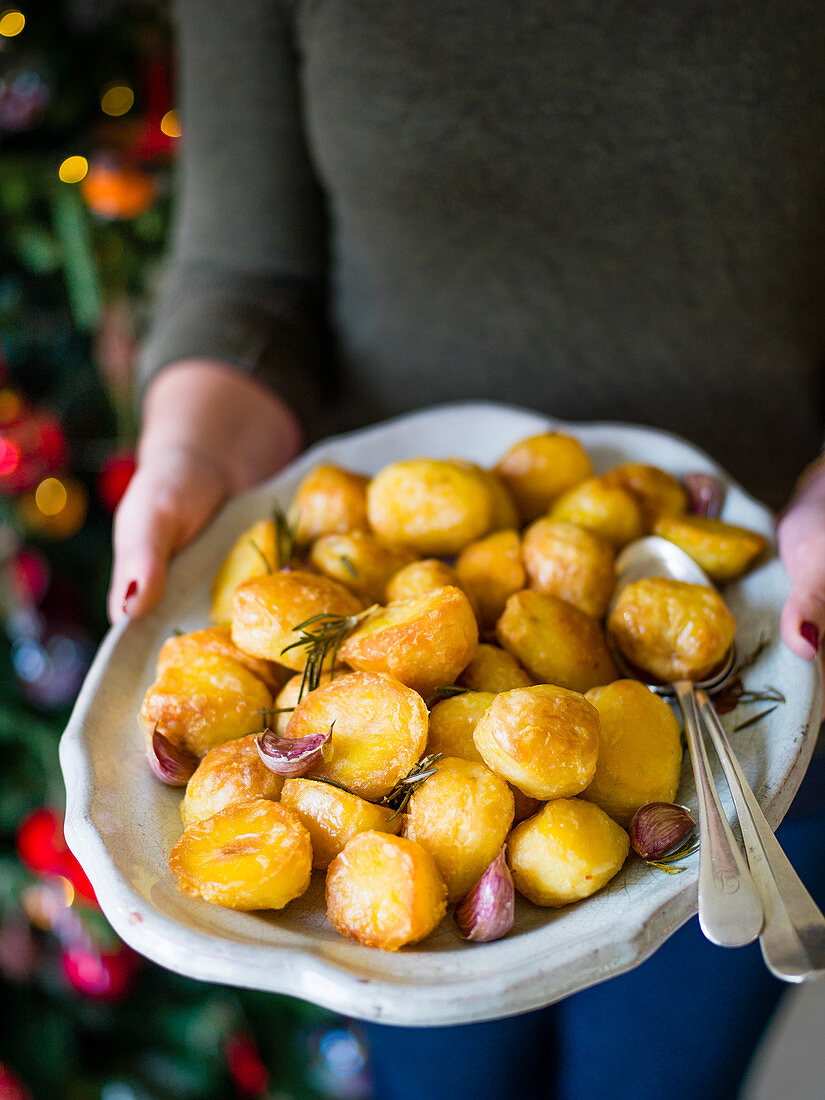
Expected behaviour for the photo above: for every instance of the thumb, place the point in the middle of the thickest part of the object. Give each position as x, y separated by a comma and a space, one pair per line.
801, 536
155, 519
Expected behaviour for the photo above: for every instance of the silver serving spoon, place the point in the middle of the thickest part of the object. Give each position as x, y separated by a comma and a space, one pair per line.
730, 910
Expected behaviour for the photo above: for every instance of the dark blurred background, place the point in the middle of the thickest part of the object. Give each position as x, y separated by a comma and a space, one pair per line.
88, 133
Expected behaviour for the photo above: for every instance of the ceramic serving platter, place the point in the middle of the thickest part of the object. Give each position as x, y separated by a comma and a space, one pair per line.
121, 823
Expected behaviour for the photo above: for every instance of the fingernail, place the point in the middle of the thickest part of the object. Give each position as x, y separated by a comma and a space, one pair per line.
811, 635
130, 592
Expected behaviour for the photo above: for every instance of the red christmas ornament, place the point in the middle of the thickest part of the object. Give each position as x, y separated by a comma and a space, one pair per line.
41, 847
32, 446
114, 478
101, 975
11, 1087
29, 577
249, 1074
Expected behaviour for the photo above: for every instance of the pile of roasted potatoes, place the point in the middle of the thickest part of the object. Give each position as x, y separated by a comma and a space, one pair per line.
408, 686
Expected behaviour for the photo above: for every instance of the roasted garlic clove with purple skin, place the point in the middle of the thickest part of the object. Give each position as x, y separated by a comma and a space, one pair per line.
170, 763
659, 828
706, 493
487, 912
292, 756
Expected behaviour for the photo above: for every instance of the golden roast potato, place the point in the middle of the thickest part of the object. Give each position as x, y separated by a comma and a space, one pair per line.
505, 512
539, 469
231, 772
333, 817
723, 550
379, 730
287, 698
266, 611
252, 555
493, 669
385, 891
461, 815
567, 561
605, 510
329, 500
671, 629
544, 739
419, 577
453, 722
658, 492
555, 641
424, 642
433, 506
180, 648
489, 570
640, 750
209, 700
251, 855
568, 851
360, 561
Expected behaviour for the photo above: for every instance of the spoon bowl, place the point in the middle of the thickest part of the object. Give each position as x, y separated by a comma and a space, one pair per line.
730, 910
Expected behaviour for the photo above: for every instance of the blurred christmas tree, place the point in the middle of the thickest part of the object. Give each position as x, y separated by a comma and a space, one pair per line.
87, 137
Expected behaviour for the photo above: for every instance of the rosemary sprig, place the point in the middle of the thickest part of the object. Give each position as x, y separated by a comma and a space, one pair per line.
349, 565
755, 718
272, 712
331, 782
263, 556
326, 638
401, 793
445, 691
664, 862
285, 535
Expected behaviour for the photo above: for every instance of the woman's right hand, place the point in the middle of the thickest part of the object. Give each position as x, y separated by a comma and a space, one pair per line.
208, 433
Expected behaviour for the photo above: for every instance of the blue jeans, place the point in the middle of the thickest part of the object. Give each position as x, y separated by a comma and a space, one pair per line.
682, 1026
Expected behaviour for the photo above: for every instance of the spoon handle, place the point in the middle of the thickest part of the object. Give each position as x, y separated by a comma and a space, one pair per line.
793, 939
730, 912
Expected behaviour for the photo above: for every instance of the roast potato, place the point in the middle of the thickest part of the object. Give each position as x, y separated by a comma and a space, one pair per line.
539, 469
419, 577
424, 642
453, 722
567, 561
252, 555
333, 817
181, 648
605, 510
723, 550
555, 641
379, 730
433, 506
493, 669
231, 772
461, 815
670, 629
250, 855
567, 851
489, 570
385, 891
640, 750
266, 611
544, 739
209, 700
360, 561
658, 492
329, 500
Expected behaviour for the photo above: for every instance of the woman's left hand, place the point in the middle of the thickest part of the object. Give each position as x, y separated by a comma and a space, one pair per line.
801, 536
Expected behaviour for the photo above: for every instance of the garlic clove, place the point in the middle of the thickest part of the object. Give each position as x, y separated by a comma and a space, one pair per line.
488, 911
659, 828
706, 494
292, 756
170, 763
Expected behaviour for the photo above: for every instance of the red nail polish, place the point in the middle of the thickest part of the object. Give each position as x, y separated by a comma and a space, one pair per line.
130, 592
811, 635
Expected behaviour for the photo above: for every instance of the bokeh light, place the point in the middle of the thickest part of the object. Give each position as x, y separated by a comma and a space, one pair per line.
12, 22
50, 496
116, 99
73, 169
170, 125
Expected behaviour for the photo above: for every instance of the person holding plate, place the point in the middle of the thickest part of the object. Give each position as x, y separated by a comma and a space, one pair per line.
600, 212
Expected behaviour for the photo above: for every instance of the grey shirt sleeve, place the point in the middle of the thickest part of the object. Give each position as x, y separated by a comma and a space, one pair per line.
244, 280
